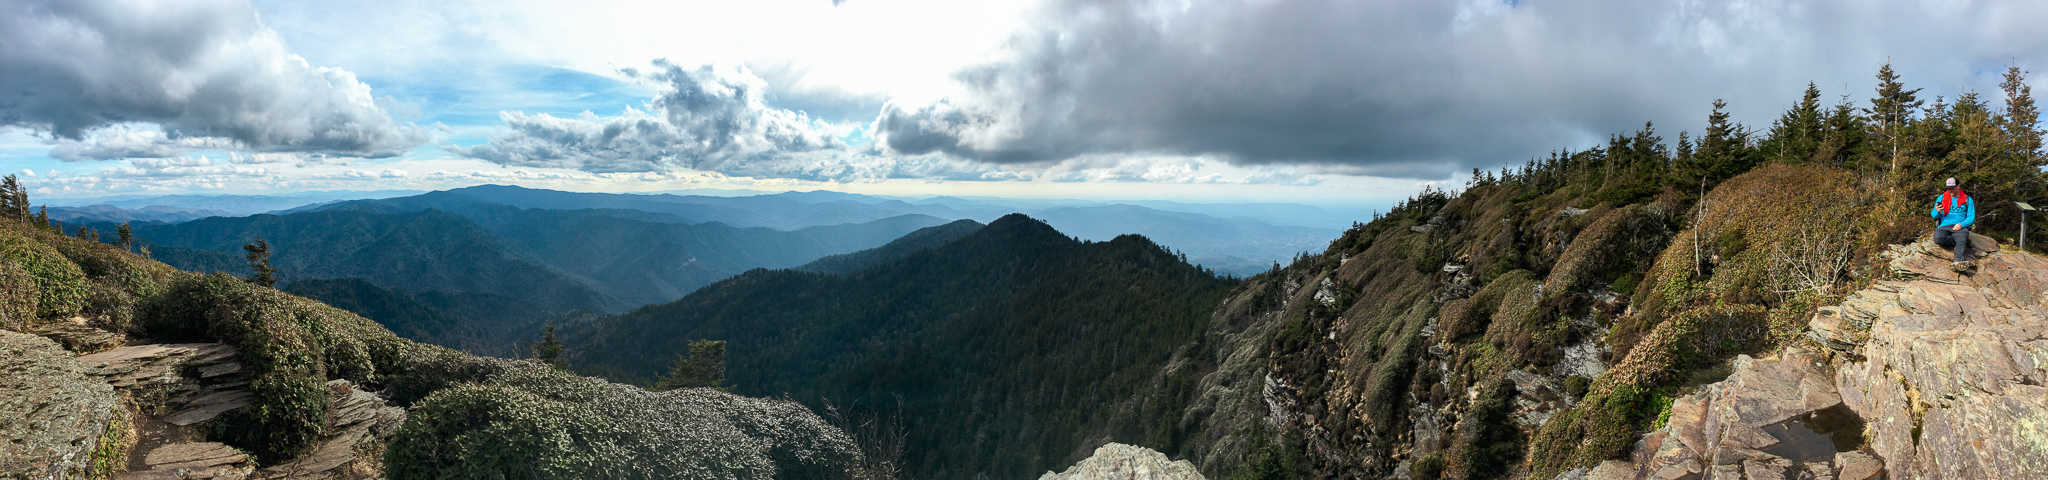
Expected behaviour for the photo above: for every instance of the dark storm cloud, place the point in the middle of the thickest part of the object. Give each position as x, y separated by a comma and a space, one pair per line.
207, 69
1425, 89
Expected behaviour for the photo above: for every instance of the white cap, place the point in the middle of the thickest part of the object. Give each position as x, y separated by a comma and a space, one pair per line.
1951, 181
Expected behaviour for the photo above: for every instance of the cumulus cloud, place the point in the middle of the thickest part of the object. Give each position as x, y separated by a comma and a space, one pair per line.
208, 72
130, 140
1425, 89
704, 118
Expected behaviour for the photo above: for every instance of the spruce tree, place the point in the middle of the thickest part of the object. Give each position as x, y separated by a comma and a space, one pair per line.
2021, 116
258, 254
1890, 111
1796, 135
702, 366
13, 201
549, 350
1723, 150
1842, 136
127, 235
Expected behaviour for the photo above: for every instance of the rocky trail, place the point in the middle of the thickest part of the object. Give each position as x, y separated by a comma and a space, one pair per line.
1911, 378
140, 412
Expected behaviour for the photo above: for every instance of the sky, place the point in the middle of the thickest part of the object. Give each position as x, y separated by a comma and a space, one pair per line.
1350, 103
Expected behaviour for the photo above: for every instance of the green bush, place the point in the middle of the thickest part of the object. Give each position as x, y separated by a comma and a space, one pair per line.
110, 307
137, 276
528, 420
60, 286
281, 342
17, 296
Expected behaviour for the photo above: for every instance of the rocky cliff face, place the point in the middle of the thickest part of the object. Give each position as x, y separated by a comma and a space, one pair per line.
1770, 329
1932, 374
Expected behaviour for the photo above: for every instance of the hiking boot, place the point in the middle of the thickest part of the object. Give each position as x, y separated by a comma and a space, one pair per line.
1963, 267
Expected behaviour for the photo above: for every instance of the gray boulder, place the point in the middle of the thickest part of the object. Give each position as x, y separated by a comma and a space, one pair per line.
54, 413
1116, 461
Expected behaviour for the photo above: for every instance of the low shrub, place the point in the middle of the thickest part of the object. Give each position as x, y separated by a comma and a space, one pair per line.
290, 345
60, 286
110, 307
18, 296
528, 420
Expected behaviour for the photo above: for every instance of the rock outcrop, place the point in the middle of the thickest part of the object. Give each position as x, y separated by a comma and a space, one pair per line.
191, 460
358, 422
53, 413
1116, 461
187, 385
193, 382
1931, 374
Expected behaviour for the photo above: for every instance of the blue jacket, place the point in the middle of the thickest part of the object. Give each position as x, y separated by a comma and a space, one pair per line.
1964, 214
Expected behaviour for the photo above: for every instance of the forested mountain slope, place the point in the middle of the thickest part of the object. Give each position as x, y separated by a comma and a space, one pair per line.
496, 274
117, 365
1539, 322
923, 239
418, 251
1009, 351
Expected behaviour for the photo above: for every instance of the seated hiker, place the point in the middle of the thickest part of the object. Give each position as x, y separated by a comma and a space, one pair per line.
1955, 212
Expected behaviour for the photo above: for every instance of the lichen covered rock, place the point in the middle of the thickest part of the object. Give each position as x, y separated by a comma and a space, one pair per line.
52, 414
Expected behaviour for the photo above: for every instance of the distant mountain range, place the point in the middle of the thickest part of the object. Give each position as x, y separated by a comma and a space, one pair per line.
505, 268
1038, 343
1237, 239
483, 268
178, 208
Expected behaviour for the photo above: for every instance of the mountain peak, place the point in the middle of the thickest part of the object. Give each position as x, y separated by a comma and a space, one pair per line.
1008, 221
1021, 225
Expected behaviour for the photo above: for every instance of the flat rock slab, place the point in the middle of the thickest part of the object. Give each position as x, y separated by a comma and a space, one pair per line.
145, 365
52, 414
195, 381
193, 460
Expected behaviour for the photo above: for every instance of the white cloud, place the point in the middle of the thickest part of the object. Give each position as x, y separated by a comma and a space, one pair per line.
206, 71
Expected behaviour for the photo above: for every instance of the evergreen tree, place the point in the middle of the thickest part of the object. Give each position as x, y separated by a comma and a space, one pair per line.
127, 236
258, 254
549, 350
1723, 150
2021, 117
43, 216
1843, 136
1796, 135
13, 198
1977, 154
1890, 111
702, 366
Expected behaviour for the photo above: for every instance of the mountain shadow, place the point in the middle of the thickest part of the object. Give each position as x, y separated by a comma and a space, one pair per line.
1007, 351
